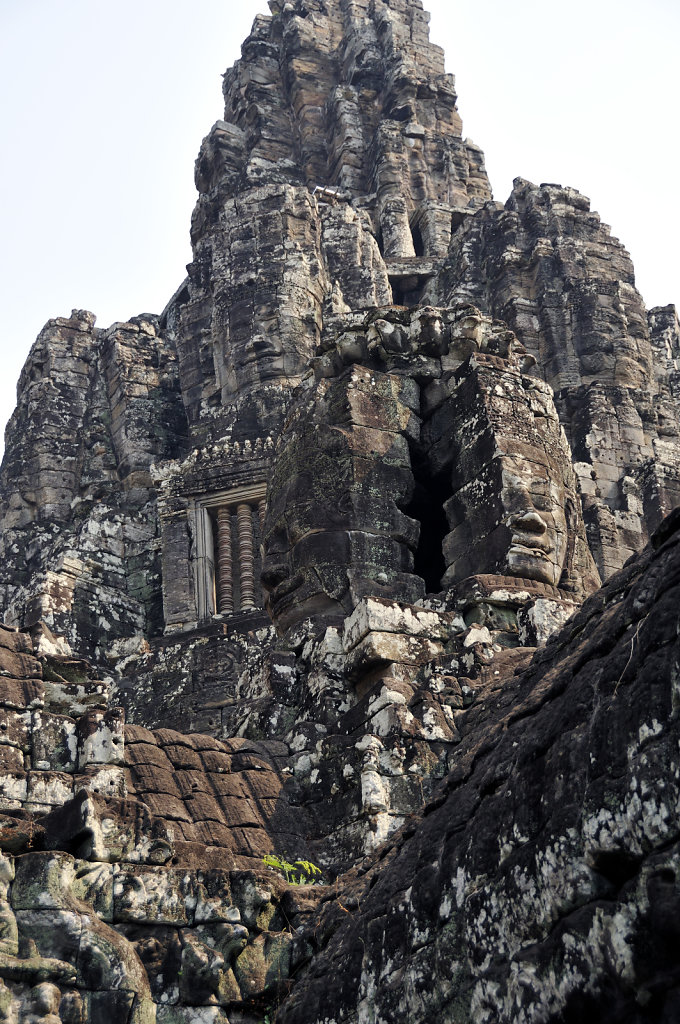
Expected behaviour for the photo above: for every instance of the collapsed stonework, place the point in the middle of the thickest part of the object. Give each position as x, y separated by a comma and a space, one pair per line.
303, 578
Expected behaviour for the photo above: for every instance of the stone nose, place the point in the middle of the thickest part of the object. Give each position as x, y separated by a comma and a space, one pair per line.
274, 571
530, 521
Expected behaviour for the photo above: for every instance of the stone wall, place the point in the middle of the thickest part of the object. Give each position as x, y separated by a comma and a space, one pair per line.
541, 883
548, 853
80, 536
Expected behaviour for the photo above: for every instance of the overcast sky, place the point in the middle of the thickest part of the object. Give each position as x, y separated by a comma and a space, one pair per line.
105, 105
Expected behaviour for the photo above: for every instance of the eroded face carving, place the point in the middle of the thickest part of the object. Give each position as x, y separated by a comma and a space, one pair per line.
509, 520
334, 530
514, 509
259, 358
268, 284
306, 553
261, 350
350, 497
534, 515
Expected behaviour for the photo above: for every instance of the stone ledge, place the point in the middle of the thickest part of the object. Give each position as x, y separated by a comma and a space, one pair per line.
383, 648
374, 614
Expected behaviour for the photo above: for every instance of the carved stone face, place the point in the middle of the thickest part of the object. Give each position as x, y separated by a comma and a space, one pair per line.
306, 553
349, 502
307, 580
258, 359
514, 509
334, 530
510, 520
268, 285
535, 515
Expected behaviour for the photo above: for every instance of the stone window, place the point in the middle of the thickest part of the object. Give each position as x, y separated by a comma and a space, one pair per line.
418, 240
427, 507
227, 567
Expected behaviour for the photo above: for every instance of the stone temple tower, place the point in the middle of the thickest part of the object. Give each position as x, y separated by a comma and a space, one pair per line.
339, 182
317, 571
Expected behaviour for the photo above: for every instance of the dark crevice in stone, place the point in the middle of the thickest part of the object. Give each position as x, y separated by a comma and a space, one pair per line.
427, 507
418, 241
617, 866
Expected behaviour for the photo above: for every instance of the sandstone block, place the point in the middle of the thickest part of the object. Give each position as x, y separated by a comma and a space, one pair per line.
375, 615
380, 648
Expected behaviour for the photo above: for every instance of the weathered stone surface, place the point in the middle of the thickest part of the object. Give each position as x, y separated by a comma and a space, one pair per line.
480, 482
294, 576
546, 265
540, 884
79, 533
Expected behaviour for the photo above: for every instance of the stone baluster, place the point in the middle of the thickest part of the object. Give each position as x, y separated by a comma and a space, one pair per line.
246, 561
261, 509
225, 569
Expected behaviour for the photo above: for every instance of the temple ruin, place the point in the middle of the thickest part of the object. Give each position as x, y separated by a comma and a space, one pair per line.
355, 566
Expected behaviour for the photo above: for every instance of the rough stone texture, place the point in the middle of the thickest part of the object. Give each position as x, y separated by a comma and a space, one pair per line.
538, 884
546, 265
542, 882
337, 165
79, 520
128, 891
338, 182
307, 567
422, 456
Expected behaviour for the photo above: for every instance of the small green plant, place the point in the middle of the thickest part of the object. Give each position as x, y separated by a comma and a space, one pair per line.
297, 872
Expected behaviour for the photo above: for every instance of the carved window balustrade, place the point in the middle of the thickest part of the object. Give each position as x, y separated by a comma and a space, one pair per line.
229, 530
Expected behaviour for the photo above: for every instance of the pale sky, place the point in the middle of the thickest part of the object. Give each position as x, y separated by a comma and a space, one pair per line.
105, 105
